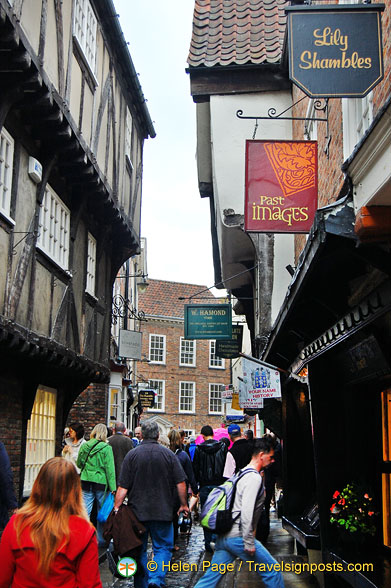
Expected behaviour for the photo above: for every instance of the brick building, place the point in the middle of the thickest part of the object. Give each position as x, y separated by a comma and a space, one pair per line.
186, 374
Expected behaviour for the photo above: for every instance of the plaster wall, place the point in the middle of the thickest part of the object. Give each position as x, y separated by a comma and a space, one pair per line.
228, 139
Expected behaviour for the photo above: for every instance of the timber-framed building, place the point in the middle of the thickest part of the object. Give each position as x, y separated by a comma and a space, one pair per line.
73, 121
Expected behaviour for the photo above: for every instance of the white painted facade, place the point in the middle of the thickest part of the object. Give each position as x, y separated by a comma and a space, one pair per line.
228, 135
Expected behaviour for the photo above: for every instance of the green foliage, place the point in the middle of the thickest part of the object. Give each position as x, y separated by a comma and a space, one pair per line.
352, 510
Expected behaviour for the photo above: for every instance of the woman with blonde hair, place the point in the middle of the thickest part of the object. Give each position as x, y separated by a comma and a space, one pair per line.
97, 472
50, 541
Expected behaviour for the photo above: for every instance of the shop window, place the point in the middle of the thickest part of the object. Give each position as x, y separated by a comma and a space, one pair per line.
386, 470
41, 435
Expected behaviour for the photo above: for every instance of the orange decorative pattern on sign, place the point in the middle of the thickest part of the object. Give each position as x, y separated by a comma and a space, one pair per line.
294, 165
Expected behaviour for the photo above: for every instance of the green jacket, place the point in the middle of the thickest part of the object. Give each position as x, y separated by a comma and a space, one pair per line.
97, 465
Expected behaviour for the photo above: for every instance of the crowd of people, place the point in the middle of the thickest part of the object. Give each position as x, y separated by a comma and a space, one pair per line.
161, 480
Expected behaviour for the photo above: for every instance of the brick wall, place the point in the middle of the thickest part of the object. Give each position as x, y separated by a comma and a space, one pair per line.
90, 407
11, 415
173, 373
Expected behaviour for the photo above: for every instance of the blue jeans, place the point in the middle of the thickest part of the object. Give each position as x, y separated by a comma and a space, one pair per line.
162, 536
89, 497
208, 535
229, 548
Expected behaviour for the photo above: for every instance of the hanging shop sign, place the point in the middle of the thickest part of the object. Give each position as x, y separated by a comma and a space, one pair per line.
281, 194
259, 381
208, 321
146, 398
335, 51
230, 348
129, 344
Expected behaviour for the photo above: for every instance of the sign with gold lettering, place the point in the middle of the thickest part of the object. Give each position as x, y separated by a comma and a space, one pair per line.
335, 51
208, 321
281, 186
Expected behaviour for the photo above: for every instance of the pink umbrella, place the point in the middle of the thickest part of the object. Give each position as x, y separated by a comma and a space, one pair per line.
217, 434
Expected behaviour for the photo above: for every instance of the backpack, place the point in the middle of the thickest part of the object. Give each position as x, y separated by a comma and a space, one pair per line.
216, 513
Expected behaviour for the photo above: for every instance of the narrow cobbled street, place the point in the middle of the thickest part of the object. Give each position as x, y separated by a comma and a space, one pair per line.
191, 551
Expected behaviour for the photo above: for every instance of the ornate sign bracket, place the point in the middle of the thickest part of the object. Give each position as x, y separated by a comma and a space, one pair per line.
320, 105
122, 309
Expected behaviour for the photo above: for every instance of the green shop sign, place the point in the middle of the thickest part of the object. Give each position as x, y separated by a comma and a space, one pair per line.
231, 348
208, 321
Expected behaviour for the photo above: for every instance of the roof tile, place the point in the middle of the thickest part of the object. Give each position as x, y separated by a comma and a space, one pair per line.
237, 31
162, 298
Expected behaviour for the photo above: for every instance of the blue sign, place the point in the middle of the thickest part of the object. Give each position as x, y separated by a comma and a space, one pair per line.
335, 51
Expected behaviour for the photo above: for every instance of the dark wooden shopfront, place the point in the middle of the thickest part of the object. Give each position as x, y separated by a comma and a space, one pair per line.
336, 424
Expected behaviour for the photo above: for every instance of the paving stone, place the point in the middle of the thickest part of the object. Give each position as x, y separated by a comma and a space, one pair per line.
191, 552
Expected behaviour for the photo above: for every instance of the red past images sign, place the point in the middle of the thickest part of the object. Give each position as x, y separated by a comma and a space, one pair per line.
281, 186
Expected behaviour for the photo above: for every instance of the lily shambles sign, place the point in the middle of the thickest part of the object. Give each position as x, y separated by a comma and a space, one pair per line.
335, 51
281, 186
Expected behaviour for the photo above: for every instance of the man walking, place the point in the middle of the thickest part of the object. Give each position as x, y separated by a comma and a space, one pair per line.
208, 466
149, 475
240, 541
240, 453
120, 444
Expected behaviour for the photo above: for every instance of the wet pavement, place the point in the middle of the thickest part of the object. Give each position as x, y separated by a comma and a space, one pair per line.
191, 552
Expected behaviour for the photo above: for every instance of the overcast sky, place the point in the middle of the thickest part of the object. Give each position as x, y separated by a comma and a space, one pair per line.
175, 219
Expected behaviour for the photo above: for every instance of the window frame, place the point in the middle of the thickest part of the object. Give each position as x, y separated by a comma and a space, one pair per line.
357, 117
218, 389
152, 383
82, 32
194, 352
154, 361
62, 215
6, 171
182, 384
91, 265
213, 357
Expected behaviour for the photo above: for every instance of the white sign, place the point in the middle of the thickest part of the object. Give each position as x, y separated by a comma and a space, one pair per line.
129, 344
258, 382
226, 393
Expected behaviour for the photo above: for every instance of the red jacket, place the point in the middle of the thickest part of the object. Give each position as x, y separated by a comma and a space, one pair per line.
75, 565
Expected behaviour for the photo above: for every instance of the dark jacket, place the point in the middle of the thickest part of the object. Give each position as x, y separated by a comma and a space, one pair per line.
121, 445
124, 529
7, 495
208, 463
188, 469
241, 452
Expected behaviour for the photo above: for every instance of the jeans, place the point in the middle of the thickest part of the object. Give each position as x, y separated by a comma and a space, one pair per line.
162, 536
89, 497
208, 535
229, 548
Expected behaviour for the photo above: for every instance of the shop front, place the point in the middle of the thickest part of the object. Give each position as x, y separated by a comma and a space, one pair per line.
335, 329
